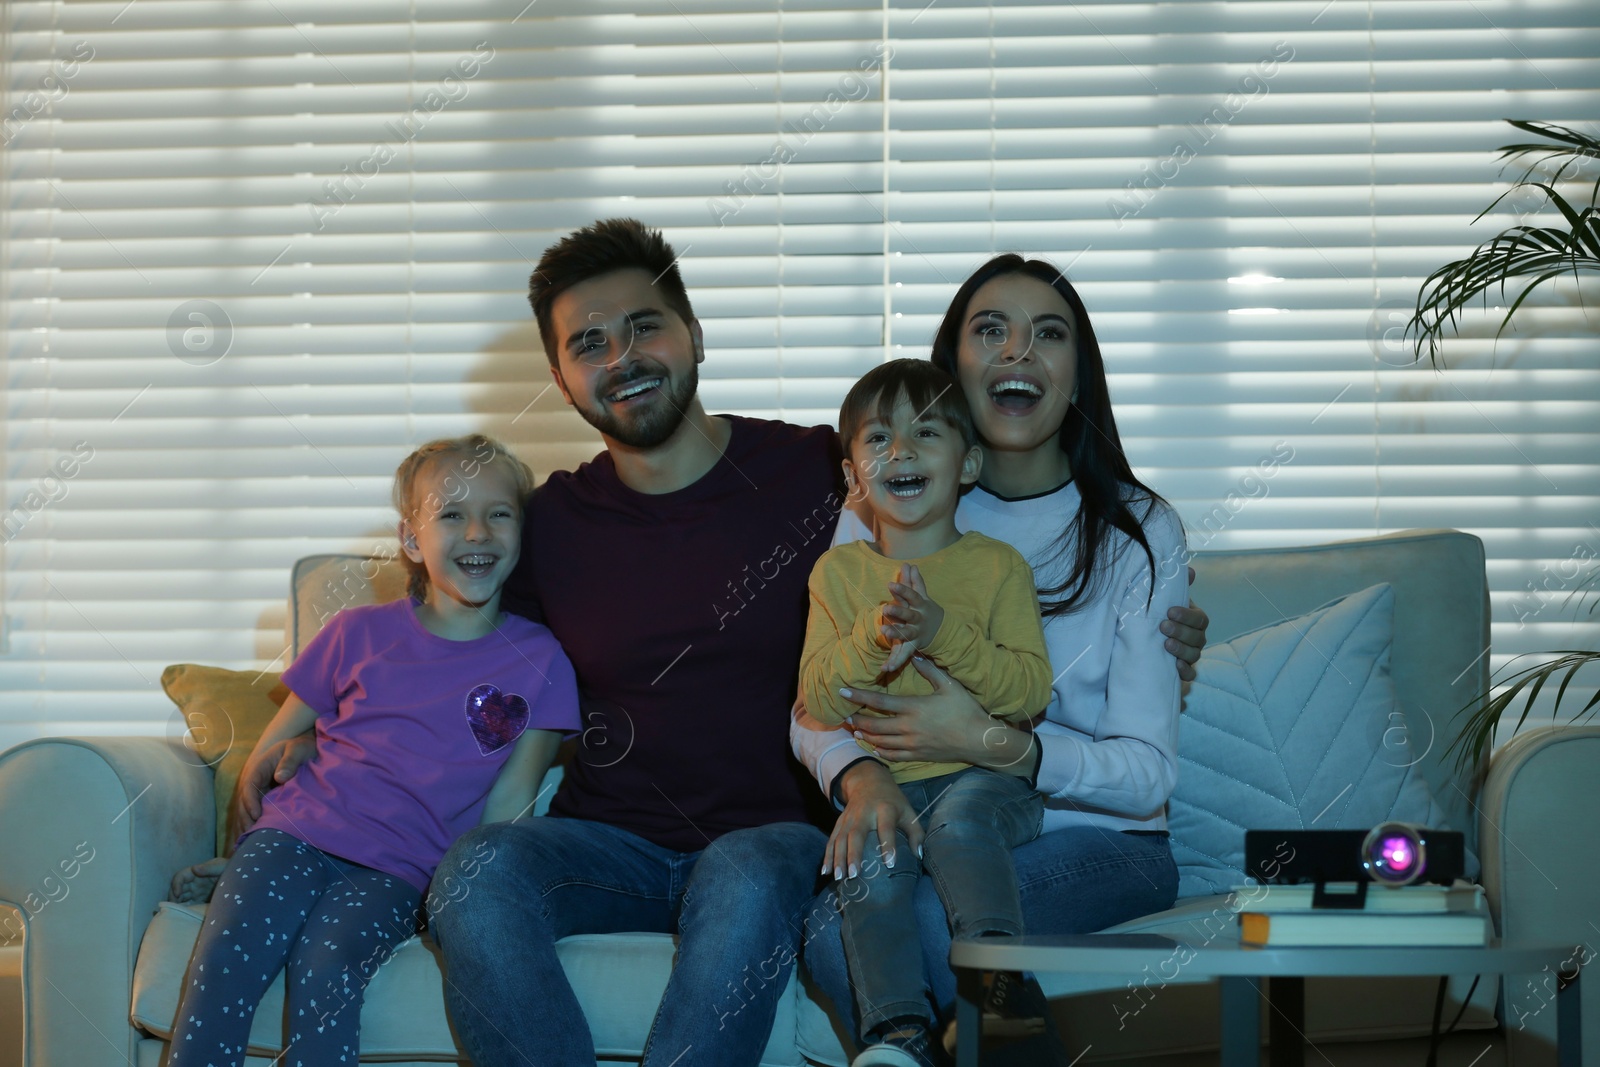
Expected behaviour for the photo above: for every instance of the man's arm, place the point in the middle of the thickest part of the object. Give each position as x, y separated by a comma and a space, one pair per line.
1185, 627
268, 766
287, 742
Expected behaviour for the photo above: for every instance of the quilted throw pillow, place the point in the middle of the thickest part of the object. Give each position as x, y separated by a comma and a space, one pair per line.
1284, 729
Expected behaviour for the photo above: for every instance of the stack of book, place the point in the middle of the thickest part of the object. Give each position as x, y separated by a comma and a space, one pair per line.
1283, 915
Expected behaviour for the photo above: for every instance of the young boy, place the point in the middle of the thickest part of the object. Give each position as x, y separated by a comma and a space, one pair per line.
968, 603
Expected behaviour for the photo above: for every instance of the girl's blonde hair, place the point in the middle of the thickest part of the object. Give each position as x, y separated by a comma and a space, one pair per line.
480, 451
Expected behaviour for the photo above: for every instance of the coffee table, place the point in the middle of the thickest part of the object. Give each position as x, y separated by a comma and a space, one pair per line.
1240, 969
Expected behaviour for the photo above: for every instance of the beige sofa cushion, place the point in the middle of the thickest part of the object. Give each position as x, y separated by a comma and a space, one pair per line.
618, 978
404, 1009
152, 1052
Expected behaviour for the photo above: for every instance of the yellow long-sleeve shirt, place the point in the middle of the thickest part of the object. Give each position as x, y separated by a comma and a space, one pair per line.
991, 640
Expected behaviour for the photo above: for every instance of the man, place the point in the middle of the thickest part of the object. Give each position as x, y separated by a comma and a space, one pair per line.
661, 568
673, 570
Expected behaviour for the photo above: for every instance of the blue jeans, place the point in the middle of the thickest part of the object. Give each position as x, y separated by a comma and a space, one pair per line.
1073, 881
506, 893
973, 818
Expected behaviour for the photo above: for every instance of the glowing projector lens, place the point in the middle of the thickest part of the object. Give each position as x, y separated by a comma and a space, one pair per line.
1393, 854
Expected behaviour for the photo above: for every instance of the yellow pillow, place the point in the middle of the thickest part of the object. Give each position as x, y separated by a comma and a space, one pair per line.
227, 712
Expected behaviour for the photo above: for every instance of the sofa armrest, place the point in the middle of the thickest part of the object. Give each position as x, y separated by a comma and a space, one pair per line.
94, 830
1539, 833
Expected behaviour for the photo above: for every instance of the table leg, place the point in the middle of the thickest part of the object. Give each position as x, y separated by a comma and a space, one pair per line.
1286, 999
1241, 1021
1569, 1024
969, 1016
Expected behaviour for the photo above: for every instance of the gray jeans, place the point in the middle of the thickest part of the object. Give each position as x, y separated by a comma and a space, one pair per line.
973, 818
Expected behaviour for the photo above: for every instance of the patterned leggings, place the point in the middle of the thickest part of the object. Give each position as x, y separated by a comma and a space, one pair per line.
280, 903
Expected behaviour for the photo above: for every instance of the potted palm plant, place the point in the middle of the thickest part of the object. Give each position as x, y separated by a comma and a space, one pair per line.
1522, 258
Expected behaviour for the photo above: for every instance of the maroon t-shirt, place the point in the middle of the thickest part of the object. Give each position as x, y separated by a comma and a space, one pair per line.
684, 614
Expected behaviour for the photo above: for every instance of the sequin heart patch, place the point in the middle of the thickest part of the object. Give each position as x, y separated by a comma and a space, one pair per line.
496, 718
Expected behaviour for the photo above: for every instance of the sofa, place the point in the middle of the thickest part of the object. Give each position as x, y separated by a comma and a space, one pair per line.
104, 957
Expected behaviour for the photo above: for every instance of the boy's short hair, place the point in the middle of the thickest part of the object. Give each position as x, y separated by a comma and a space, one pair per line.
929, 390
605, 246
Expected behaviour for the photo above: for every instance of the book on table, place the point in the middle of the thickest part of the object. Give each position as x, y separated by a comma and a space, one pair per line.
1283, 915
1461, 896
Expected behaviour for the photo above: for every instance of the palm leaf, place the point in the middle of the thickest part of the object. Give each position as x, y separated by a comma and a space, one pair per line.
1578, 147
1483, 714
1525, 256
1581, 590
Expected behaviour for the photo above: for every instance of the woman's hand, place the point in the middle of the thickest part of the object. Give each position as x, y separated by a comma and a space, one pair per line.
947, 725
872, 801
270, 767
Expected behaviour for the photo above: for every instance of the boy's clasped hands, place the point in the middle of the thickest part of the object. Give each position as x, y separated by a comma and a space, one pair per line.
909, 620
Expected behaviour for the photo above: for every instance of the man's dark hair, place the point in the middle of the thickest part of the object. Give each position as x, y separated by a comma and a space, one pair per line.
928, 389
607, 245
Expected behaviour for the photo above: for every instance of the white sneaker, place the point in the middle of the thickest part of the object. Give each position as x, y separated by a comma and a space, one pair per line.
905, 1048
886, 1056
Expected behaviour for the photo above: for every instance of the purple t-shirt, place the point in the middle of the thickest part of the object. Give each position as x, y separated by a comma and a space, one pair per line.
412, 729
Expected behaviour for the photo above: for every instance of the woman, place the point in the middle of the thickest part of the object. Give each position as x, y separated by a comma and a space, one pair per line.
1108, 558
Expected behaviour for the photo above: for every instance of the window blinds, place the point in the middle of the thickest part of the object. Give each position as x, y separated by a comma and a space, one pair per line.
257, 249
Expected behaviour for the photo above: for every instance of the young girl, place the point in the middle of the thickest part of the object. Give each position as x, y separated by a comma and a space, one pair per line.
433, 714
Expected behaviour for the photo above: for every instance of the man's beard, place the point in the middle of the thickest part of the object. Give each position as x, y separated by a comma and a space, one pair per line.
658, 421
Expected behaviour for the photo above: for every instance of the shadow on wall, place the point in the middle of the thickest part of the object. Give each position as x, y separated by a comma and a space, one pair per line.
510, 396
516, 400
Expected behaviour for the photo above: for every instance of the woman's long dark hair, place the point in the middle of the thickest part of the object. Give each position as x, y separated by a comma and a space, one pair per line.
1088, 436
